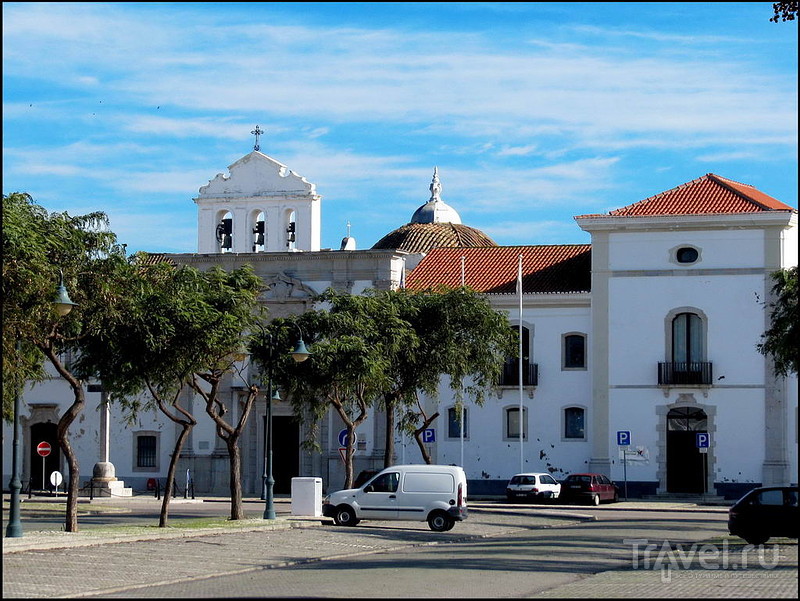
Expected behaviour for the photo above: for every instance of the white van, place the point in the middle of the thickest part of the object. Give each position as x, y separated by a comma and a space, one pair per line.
433, 493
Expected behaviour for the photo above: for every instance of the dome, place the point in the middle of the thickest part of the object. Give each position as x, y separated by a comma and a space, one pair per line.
436, 210
434, 224
422, 237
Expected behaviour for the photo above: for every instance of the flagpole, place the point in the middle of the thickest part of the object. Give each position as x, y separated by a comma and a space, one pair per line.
463, 283
521, 408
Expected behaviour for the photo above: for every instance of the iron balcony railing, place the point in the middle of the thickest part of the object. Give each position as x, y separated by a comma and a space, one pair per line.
683, 373
510, 377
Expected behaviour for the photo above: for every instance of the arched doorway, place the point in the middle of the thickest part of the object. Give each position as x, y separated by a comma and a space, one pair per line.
686, 465
42, 467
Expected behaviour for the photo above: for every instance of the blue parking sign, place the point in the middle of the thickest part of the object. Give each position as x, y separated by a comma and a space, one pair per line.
429, 435
703, 440
623, 438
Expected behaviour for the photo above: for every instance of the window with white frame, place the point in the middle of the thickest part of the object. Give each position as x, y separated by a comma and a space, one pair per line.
512, 423
454, 421
574, 423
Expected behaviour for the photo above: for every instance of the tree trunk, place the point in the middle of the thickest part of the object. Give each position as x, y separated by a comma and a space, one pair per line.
237, 510
425, 455
62, 431
388, 453
71, 518
348, 464
173, 466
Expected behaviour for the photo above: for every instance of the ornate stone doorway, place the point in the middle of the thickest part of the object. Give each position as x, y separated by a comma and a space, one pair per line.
687, 467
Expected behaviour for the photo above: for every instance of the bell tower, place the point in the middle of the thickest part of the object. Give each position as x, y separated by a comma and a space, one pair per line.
260, 206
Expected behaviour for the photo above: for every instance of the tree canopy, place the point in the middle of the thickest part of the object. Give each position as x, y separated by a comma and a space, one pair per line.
780, 339
784, 11
41, 250
178, 323
384, 348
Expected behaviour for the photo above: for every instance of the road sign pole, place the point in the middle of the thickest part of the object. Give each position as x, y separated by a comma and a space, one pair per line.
625, 470
624, 441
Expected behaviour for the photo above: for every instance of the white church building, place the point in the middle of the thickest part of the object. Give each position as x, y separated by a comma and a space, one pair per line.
645, 336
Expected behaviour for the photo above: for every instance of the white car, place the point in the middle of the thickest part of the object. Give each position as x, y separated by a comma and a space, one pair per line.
532, 487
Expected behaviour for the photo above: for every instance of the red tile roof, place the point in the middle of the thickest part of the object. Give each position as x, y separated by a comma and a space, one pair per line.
545, 269
706, 195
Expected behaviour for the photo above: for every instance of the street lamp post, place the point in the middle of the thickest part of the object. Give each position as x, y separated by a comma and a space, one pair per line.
62, 305
299, 354
14, 528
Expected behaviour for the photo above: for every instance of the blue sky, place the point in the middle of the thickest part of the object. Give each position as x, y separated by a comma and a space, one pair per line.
533, 112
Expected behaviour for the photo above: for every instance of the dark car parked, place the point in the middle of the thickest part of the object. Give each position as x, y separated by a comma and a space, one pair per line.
765, 512
588, 488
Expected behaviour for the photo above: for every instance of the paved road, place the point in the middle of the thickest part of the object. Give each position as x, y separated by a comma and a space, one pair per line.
550, 551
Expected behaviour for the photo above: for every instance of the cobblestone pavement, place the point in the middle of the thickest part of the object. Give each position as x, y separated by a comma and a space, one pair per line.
55, 564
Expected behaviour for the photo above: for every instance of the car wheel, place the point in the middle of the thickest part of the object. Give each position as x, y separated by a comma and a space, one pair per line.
345, 516
595, 500
616, 497
439, 521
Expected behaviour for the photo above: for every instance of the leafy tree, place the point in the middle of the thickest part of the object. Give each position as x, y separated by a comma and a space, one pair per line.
784, 11
463, 338
232, 299
780, 340
443, 332
384, 347
40, 250
348, 369
172, 329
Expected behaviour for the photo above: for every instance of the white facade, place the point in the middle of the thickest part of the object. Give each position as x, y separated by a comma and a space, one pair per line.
262, 206
572, 413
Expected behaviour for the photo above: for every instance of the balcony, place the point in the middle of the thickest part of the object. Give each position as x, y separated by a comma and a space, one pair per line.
683, 373
510, 376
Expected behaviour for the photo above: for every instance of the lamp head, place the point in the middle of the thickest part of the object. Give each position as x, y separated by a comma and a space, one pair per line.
300, 352
61, 300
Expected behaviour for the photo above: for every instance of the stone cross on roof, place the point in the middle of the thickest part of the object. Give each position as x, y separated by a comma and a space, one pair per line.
257, 132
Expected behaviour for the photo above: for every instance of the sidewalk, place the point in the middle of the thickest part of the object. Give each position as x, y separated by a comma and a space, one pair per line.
130, 519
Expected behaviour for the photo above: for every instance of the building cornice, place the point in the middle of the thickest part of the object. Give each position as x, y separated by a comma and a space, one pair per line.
597, 223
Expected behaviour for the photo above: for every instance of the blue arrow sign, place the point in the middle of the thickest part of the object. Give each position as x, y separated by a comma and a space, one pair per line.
343, 438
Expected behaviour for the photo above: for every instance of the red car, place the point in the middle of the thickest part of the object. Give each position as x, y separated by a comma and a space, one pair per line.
588, 488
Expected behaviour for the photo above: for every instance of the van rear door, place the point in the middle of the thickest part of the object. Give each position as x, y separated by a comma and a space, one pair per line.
378, 499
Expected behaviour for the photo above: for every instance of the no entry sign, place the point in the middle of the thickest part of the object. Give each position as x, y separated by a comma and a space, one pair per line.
43, 448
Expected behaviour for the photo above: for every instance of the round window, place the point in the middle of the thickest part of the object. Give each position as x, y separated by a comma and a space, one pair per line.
687, 254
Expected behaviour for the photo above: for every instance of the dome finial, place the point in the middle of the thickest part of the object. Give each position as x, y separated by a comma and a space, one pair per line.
436, 187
